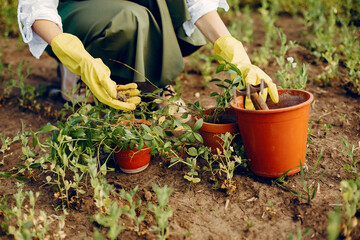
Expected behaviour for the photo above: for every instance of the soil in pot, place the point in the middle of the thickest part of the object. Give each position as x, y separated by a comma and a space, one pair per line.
275, 140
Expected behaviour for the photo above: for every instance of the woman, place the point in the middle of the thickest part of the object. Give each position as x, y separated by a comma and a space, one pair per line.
151, 36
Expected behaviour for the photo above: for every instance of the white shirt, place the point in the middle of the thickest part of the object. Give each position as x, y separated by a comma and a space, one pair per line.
31, 10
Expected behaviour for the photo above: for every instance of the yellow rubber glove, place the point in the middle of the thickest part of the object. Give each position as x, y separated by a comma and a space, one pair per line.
233, 51
93, 72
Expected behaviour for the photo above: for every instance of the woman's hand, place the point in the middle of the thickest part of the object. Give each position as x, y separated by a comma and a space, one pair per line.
94, 73
233, 51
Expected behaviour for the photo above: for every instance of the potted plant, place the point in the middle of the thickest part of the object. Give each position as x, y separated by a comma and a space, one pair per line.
132, 154
221, 118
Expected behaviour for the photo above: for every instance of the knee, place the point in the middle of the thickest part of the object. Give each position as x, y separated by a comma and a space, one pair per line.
129, 22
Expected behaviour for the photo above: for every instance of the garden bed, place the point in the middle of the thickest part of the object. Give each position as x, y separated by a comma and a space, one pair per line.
258, 209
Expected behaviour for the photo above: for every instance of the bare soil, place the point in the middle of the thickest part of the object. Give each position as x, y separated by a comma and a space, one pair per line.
257, 209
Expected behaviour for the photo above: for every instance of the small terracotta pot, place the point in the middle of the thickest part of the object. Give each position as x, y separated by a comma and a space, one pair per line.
211, 132
133, 161
275, 140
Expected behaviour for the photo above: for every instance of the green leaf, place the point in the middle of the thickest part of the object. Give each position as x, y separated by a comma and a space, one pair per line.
198, 137
35, 165
217, 57
21, 166
198, 124
191, 179
47, 128
220, 68
146, 128
5, 174
220, 85
78, 133
76, 120
192, 152
215, 80
24, 179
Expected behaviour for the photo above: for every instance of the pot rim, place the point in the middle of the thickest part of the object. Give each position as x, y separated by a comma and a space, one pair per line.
277, 110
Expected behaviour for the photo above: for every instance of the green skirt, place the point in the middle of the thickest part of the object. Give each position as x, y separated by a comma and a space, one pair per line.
146, 35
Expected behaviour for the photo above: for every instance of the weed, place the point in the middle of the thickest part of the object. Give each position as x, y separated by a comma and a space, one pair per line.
350, 152
310, 187
228, 162
133, 207
242, 26
351, 197
334, 226
223, 98
299, 234
327, 127
8, 14
269, 17
162, 212
290, 74
112, 220
29, 224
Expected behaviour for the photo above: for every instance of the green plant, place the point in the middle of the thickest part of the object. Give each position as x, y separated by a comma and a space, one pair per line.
192, 162
269, 16
133, 208
309, 186
162, 212
8, 14
351, 197
350, 152
110, 219
29, 223
327, 127
334, 226
241, 25
290, 74
222, 99
300, 234
228, 162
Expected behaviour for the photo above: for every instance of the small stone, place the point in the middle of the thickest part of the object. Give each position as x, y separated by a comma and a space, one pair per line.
121, 97
147, 195
197, 94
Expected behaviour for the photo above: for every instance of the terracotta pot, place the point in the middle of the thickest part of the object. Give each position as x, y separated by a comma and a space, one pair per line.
275, 140
211, 132
133, 161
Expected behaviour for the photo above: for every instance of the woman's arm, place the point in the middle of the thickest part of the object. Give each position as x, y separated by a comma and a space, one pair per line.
212, 26
46, 29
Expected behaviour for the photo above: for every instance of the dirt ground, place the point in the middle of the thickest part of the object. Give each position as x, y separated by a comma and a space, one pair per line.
257, 210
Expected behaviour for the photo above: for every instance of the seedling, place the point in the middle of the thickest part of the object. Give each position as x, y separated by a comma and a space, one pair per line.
351, 153
310, 187
228, 162
299, 234
222, 99
133, 208
29, 224
162, 212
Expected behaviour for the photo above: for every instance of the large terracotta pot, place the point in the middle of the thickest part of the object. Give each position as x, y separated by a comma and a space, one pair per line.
211, 132
275, 140
133, 160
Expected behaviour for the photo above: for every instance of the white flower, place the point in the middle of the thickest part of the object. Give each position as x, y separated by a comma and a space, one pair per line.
294, 65
290, 59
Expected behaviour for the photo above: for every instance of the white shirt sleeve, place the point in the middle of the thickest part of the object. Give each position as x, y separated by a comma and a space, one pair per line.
30, 10
198, 8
